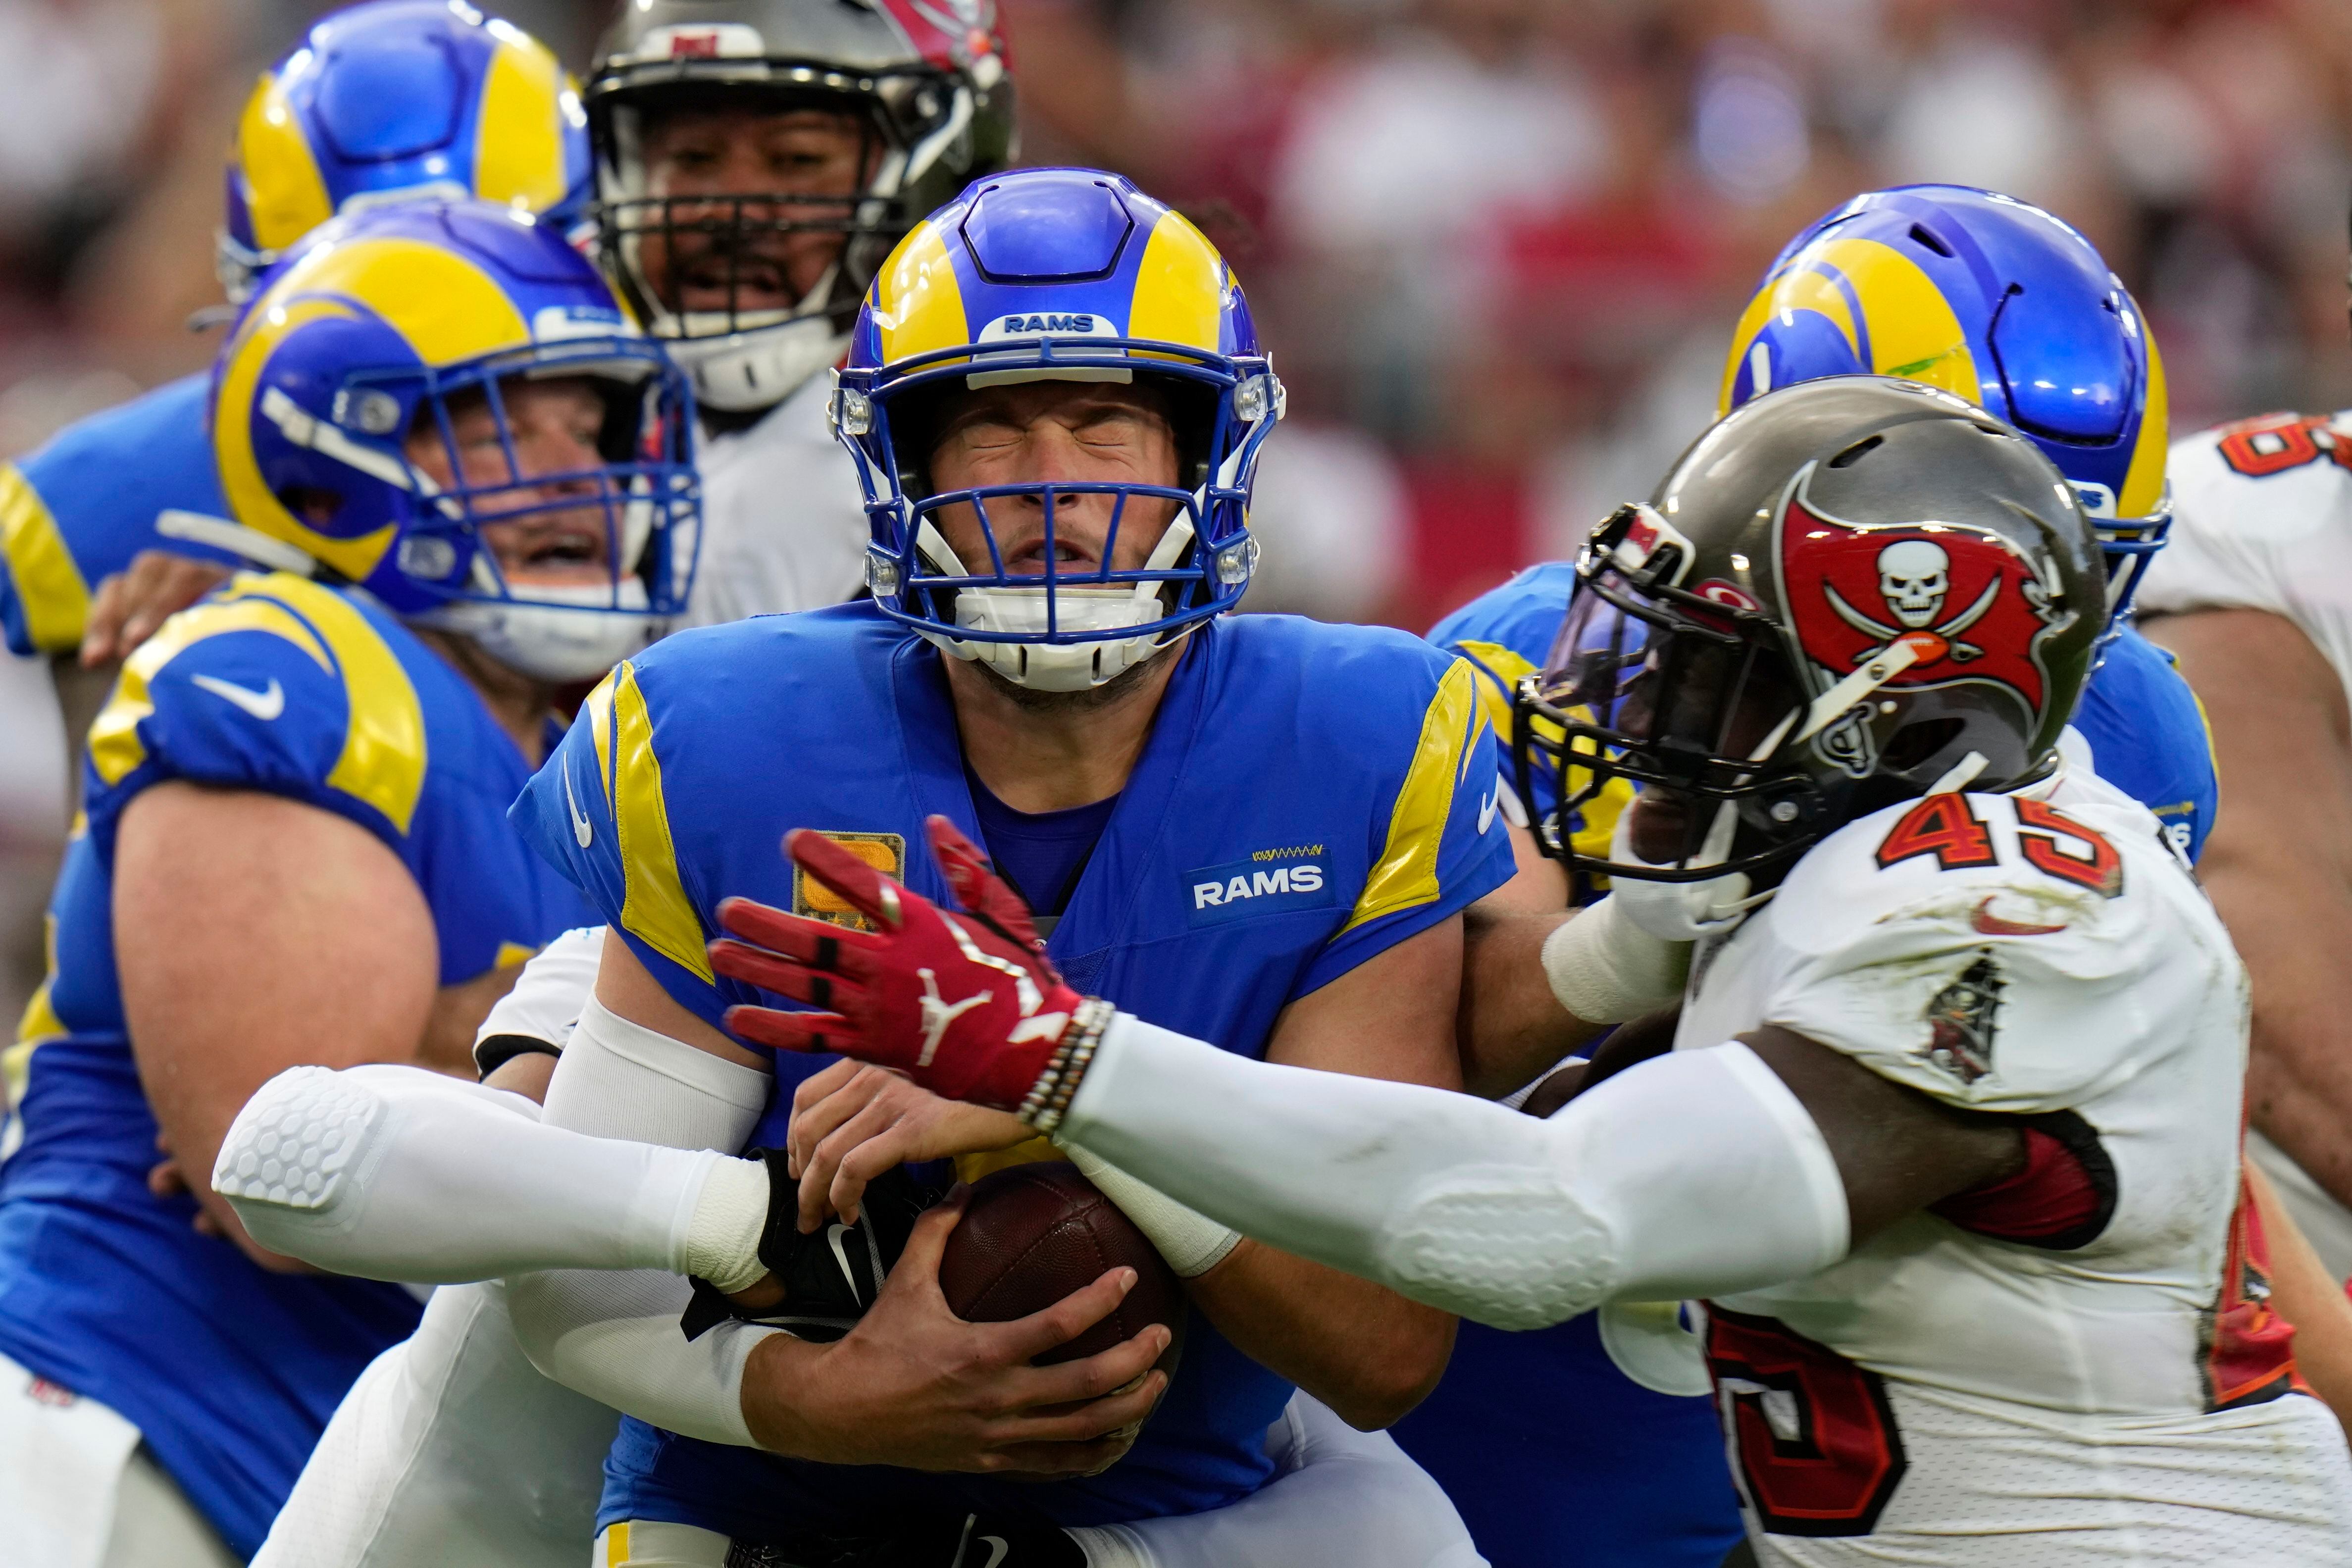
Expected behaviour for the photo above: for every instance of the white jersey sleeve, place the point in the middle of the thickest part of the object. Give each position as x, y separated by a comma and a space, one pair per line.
783, 521
1995, 952
2263, 520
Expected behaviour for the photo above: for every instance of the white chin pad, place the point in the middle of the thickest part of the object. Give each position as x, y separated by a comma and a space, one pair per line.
1021, 612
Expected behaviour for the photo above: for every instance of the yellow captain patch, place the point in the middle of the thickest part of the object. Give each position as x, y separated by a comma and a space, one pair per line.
49, 587
1405, 876
886, 853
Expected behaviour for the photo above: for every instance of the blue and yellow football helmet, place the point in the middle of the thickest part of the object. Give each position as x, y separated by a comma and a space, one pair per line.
1058, 275
394, 98
1999, 301
366, 341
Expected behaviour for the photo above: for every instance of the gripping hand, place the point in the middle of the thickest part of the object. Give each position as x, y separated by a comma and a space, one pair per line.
963, 1002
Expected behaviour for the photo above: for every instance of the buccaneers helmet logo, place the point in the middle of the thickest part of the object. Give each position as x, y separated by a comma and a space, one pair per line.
1965, 597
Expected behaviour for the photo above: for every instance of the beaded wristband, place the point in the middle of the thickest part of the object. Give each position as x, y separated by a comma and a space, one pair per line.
1050, 1096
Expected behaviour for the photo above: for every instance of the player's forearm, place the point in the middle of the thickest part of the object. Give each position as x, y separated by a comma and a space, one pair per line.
1511, 1027
1360, 1348
2306, 1295
396, 1173
1469, 1207
1537, 986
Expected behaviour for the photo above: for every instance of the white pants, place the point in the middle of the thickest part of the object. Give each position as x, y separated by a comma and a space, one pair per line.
1338, 1499
449, 1451
77, 1490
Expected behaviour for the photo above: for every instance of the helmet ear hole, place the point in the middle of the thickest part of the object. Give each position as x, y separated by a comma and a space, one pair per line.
315, 506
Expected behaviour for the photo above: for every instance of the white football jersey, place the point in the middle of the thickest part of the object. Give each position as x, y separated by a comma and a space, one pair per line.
783, 521
2263, 520
2076, 1365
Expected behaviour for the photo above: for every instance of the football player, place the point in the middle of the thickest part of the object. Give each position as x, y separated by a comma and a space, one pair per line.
1057, 401
2003, 303
382, 100
1951, 1136
297, 799
754, 162
2250, 599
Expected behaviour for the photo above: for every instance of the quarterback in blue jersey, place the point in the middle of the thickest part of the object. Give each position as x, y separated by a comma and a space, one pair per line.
1057, 535
1983, 296
382, 99
297, 799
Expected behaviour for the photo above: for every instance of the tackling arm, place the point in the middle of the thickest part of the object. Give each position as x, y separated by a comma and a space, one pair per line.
1700, 1173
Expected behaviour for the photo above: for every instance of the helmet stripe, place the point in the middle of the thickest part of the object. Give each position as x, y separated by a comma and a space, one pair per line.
1178, 287
517, 132
1911, 330
919, 304
249, 497
448, 310
2143, 490
285, 197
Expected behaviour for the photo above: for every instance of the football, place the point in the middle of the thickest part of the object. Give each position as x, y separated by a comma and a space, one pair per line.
1034, 1233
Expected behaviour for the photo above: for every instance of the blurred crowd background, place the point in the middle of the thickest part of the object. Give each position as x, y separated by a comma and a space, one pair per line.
1496, 246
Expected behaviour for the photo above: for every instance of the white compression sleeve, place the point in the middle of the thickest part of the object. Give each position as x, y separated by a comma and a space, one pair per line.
548, 995
397, 1173
615, 1337
1603, 968
1693, 1173
1338, 1499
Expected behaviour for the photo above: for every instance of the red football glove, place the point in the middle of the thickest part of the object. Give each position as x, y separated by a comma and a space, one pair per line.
964, 1002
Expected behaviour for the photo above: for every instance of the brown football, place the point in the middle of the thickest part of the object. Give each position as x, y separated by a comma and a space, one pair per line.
1034, 1233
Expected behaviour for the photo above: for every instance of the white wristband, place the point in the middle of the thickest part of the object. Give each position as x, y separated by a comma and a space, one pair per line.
1603, 968
1191, 1241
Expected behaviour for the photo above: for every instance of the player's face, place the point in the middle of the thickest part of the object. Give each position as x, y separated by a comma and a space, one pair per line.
1044, 431
720, 253
1722, 701
554, 425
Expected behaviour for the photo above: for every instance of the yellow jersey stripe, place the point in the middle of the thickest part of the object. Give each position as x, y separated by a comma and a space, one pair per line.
49, 585
384, 757
654, 905
1406, 873
115, 749
1492, 662
599, 707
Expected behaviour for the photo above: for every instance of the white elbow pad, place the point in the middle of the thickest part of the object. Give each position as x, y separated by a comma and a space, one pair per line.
1697, 1173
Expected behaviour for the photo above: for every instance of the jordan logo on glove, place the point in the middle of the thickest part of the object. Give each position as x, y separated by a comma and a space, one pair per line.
924, 993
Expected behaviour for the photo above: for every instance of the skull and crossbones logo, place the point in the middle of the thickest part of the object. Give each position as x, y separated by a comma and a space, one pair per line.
1915, 579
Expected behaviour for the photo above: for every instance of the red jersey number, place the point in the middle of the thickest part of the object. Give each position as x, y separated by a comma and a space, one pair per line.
2275, 442
1811, 1433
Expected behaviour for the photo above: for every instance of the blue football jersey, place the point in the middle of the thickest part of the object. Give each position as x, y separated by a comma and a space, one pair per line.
1551, 1454
2147, 737
1310, 795
282, 686
76, 512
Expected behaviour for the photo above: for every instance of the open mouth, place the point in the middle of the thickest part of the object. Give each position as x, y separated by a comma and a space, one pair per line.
1029, 559
727, 280
564, 544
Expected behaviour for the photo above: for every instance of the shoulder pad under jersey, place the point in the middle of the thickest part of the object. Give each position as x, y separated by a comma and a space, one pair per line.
1997, 952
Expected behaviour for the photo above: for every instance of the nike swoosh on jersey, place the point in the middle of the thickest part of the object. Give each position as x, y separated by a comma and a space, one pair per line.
1486, 810
264, 704
840, 1255
582, 833
999, 1549
1986, 924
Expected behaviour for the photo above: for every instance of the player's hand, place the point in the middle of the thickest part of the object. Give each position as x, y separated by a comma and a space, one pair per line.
129, 606
962, 1001
852, 1122
915, 1385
